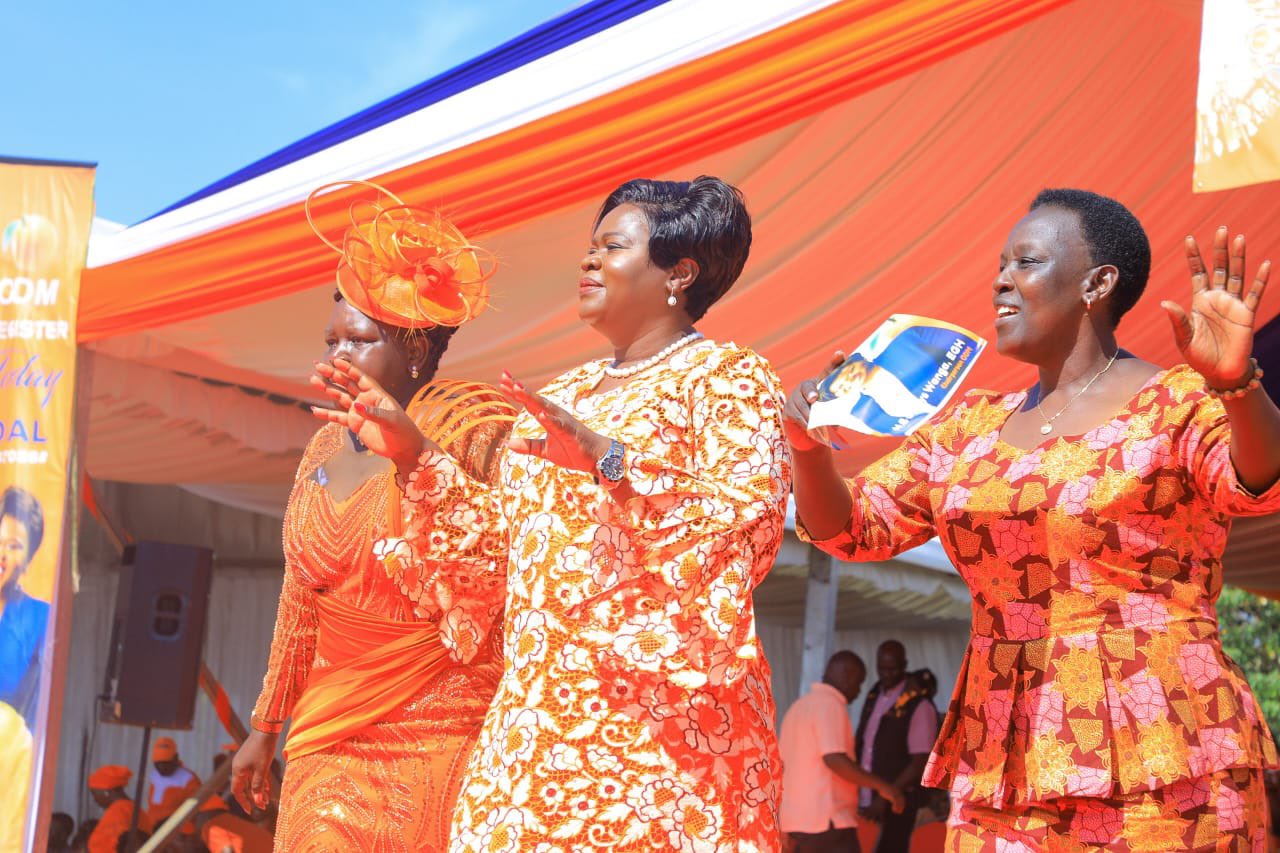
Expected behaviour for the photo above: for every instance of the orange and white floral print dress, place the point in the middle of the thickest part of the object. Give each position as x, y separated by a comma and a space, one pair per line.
634, 711
1096, 708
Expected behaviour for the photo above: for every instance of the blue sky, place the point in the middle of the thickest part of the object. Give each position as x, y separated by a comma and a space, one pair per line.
167, 97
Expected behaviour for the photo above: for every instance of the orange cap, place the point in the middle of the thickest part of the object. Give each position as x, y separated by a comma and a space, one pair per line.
110, 776
403, 265
164, 749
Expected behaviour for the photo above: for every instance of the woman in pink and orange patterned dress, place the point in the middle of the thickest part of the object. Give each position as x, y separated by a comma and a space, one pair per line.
1088, 514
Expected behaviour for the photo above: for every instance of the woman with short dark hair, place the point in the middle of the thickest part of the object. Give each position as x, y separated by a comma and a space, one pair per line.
1088, 515
642, 500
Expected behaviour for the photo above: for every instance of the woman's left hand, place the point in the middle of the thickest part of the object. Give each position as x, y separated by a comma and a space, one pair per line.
567, 443
1216, 337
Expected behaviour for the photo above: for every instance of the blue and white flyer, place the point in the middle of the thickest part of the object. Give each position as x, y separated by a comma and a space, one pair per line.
895, 380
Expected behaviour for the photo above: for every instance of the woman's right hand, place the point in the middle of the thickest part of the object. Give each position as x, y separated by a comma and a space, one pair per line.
795, 414
373, 415
251, 770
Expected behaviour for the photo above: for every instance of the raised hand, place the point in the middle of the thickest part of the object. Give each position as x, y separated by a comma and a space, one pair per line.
362, 406
1216, 336
795, 414
567, 441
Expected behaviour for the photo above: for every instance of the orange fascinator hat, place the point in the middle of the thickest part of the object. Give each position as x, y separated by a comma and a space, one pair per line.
406, 266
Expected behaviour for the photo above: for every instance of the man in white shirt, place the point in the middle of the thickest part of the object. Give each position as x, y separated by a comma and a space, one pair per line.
820, 775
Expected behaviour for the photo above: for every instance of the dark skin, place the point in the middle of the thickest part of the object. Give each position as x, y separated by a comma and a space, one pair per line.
1045, 276
891, 664
387, 355
891, 667
847, 677
167, 767
622, 294
104, 797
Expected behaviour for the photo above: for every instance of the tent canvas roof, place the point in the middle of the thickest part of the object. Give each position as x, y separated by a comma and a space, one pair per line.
903, 144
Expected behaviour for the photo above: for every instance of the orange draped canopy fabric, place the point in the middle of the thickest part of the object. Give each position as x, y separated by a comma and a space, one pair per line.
377, 666
698, 108
885, 150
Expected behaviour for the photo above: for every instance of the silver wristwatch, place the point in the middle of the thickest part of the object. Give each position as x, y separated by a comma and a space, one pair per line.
610, 466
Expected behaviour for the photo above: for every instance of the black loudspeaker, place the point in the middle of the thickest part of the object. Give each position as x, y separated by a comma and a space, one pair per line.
157, 636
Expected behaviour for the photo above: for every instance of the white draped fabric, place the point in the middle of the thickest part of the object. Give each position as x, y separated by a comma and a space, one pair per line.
242, 607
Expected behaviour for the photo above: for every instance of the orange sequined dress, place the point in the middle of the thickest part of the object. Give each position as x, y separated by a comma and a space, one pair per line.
373, 769
1096, 708
634, 712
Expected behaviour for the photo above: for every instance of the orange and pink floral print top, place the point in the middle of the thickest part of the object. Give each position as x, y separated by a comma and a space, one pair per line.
634, 712
1094, 668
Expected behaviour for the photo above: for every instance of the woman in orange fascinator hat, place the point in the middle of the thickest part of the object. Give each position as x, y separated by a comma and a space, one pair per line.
386, 675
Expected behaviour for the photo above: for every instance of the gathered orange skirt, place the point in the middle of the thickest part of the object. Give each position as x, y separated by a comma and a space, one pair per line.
380, 738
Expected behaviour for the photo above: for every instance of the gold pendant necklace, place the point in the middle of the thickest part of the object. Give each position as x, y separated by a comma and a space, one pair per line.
1048, 421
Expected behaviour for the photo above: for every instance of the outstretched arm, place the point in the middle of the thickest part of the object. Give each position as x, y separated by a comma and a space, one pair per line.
849, 770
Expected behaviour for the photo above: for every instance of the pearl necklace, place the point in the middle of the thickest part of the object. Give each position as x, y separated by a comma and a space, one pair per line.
615, 372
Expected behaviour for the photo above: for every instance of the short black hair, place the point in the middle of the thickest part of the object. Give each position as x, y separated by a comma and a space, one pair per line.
1115, 237
438, 338
61, 827
705, 220
19, 504
845, 658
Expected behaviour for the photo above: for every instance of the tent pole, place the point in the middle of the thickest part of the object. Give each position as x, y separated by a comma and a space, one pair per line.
821, 592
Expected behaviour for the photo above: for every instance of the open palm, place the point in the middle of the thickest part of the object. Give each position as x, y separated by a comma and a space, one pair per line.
1216, 336
567, 442
373, 415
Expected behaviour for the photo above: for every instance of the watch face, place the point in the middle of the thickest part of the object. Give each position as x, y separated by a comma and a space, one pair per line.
610, 465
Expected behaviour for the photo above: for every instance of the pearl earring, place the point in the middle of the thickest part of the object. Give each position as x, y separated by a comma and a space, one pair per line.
413, 371
671, 297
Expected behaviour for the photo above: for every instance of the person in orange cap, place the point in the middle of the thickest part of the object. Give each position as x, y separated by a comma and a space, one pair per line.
106, 785
168, 783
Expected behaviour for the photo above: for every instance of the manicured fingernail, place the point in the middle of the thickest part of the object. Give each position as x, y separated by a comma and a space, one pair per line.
359, 407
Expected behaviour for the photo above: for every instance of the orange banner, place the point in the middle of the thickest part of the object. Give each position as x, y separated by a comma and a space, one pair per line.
46, 211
